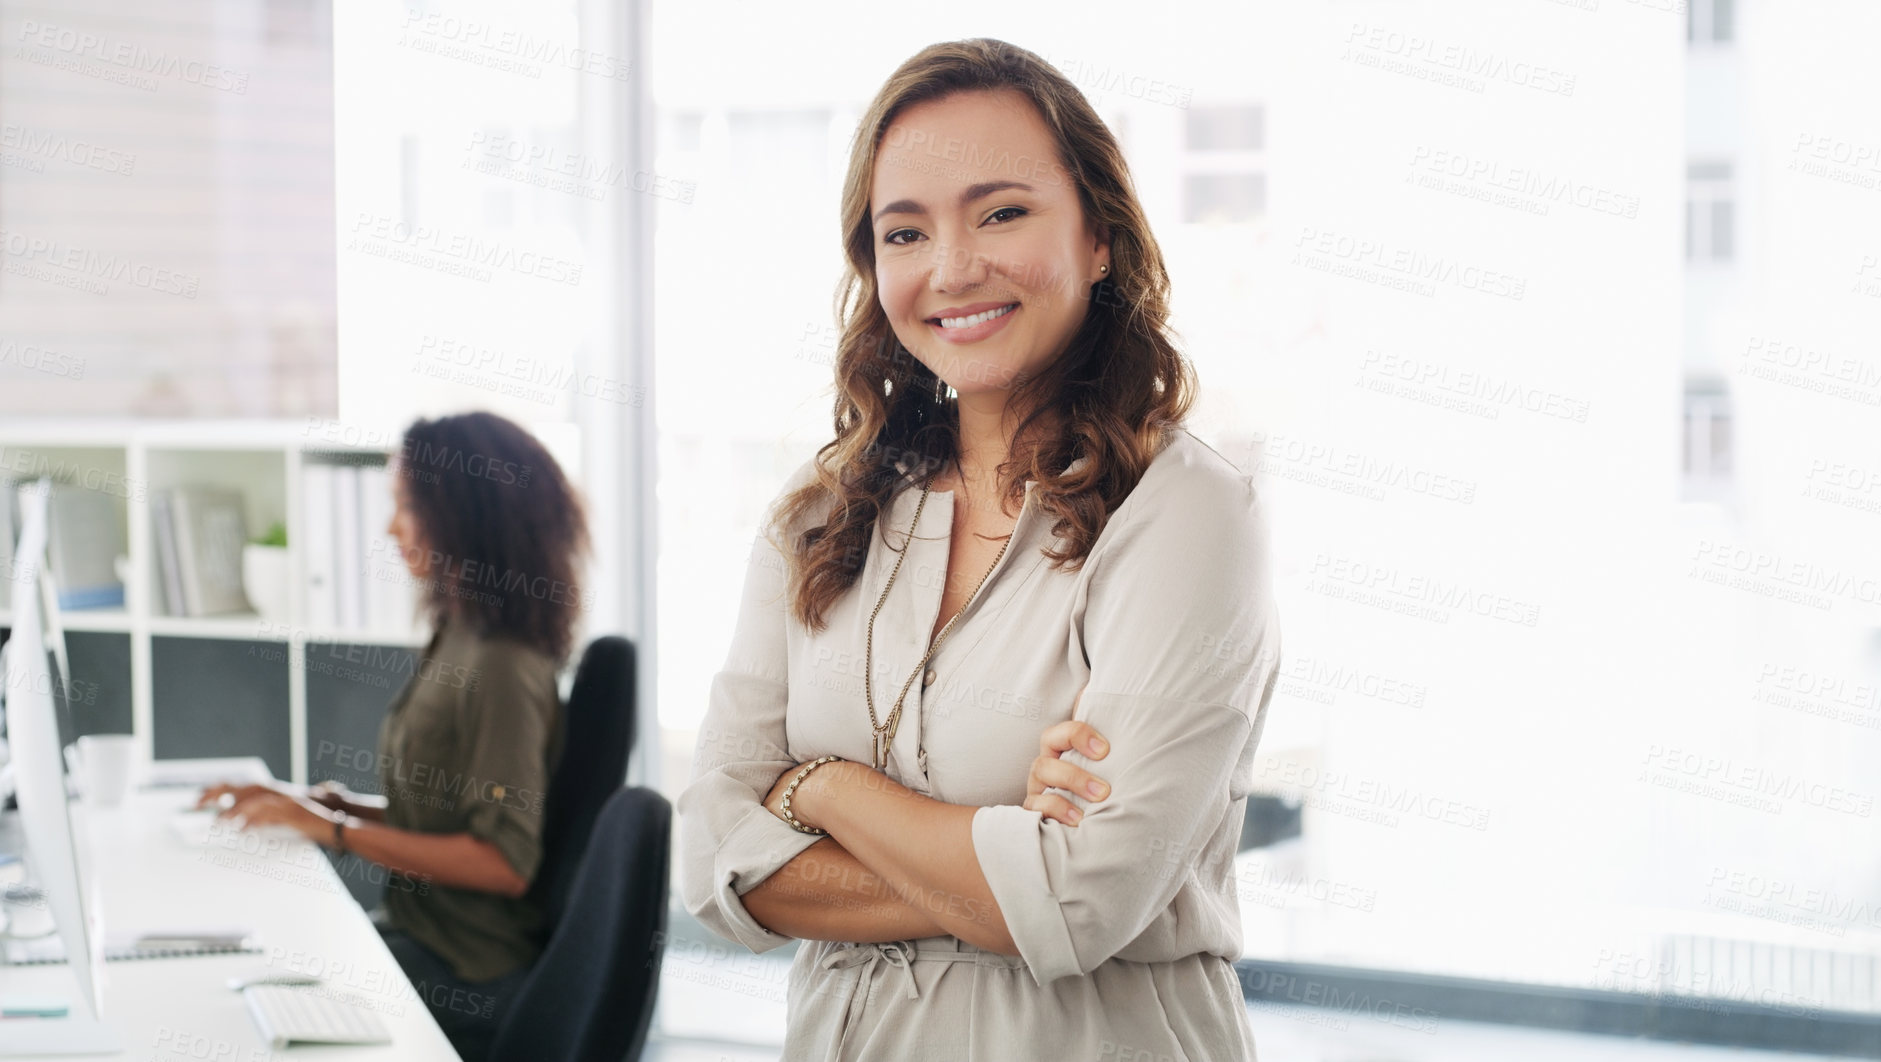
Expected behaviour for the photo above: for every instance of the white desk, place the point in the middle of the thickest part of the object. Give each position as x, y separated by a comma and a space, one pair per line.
286, 892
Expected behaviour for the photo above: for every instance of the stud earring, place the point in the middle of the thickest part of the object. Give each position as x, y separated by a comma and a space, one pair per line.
1103, 269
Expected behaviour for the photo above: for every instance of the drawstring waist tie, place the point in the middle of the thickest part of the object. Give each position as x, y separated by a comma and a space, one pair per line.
902, 955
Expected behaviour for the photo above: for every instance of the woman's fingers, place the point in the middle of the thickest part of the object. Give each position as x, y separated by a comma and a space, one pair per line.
1050, 772
246, 801
226, 793
251, 809
1054, 807
1070, 734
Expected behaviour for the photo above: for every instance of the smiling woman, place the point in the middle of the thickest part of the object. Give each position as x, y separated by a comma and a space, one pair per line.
1007, 396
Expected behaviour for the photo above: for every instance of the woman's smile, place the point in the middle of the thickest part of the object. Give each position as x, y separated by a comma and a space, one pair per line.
972, 327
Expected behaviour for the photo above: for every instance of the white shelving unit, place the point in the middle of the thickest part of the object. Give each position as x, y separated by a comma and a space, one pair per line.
132, 461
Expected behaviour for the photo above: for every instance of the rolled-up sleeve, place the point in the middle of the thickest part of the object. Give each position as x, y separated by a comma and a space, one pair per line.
1183, 644
506, 771
729, 841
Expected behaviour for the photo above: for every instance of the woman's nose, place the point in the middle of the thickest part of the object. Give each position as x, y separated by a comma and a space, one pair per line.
956, 265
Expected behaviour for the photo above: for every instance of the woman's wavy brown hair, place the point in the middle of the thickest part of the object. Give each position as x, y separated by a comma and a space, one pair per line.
1113, 395
505, 529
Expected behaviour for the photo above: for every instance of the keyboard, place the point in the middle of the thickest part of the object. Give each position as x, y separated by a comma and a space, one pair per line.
289, 1015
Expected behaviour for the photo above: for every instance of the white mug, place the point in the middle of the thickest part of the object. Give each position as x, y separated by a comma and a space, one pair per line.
101, 763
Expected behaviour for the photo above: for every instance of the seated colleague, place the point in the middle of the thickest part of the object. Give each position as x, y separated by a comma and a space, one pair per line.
491, 532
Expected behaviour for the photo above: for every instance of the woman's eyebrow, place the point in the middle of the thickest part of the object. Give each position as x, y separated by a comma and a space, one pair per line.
971, 192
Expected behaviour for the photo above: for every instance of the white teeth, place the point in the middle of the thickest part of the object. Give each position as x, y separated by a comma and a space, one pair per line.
978, 318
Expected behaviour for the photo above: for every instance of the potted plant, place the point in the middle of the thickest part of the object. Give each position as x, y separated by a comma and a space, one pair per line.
265, 574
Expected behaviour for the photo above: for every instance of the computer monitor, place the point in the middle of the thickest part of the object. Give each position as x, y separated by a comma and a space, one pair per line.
52, 839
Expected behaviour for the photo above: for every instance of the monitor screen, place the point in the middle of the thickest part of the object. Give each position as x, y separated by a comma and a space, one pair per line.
36, 761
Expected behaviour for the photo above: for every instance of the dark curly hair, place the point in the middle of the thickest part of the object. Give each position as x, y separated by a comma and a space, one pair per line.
1113, 396
505, 529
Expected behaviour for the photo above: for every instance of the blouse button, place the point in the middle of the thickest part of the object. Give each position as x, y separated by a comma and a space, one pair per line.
928, 679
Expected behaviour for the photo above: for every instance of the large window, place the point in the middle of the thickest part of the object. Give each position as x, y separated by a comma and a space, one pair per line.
166, 227
1710, 21
1226, 178
1707, 438
1710, 211
487, 190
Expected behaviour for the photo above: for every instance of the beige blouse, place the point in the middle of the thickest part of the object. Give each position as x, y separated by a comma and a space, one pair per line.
1127, 925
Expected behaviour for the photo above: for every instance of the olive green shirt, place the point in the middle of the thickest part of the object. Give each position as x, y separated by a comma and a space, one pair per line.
468, 747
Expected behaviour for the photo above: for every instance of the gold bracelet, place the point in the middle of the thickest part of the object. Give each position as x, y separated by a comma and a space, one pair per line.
802, 773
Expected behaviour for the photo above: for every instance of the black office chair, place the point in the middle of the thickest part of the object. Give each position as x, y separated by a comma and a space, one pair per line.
591, 994
598, 736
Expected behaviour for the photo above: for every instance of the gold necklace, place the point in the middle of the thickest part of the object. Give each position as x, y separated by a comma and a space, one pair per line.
881, 735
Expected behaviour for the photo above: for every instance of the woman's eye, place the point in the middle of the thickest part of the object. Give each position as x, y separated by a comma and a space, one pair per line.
998, 216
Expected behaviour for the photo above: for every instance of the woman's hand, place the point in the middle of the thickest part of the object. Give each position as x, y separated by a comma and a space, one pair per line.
333, 796
330, 795
229, 795
1050, 772
297, 813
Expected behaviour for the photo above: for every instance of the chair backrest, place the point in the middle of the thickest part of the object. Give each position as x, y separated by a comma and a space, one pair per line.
597, 737
590, 995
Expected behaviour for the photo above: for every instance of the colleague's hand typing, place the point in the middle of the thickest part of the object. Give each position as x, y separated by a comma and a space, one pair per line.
227, 796
308, 810
296, 812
